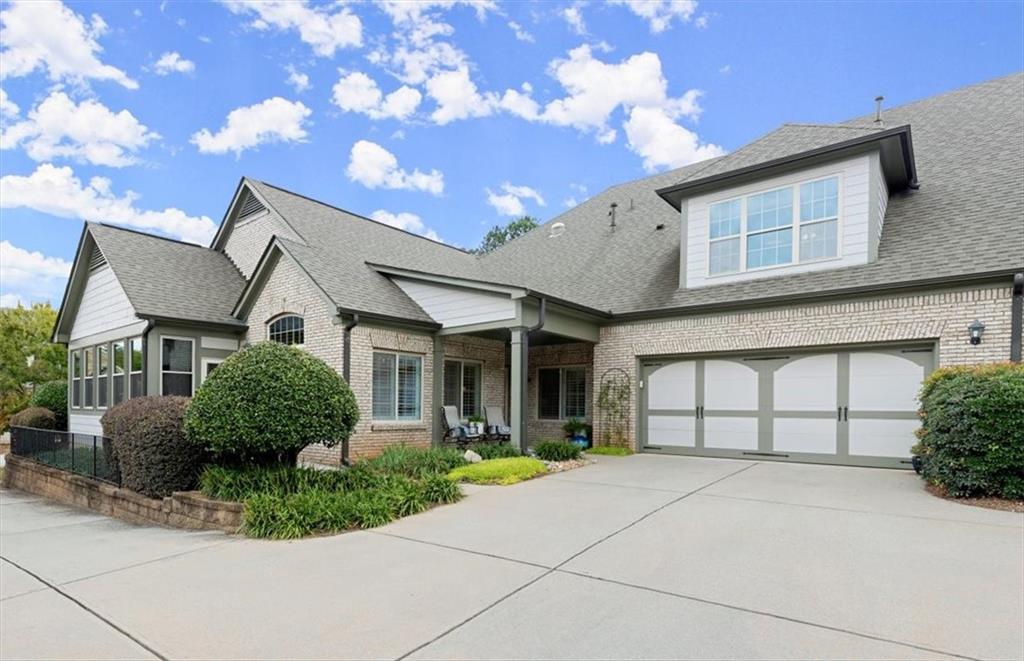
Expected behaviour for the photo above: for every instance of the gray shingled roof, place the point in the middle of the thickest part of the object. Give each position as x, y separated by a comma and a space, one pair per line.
167, 278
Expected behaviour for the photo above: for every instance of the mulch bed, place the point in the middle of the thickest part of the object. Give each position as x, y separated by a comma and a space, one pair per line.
990, 502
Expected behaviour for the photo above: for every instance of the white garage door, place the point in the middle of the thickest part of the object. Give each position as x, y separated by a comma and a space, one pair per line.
848, 407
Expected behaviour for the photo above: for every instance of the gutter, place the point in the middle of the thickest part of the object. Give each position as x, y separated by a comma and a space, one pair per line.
145, 356
1017, 318
346, 368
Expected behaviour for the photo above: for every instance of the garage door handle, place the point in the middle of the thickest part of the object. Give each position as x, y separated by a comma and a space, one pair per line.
839, 413
846, 413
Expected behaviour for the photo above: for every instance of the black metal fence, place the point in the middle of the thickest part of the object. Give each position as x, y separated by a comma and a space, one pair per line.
84, 454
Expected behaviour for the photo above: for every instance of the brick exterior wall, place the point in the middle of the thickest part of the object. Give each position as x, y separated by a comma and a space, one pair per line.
556, 355
491, 355
941, 316
246, 243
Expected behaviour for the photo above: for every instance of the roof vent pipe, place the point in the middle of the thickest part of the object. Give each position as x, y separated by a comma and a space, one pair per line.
878, 109
611, 212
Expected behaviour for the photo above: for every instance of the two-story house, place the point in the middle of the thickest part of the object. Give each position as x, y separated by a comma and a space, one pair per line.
782, 302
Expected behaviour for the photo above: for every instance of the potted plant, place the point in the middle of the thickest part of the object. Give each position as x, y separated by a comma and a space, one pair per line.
476, 423
576, 430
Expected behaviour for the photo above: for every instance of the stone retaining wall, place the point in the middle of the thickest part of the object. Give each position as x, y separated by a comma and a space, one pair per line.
183, 509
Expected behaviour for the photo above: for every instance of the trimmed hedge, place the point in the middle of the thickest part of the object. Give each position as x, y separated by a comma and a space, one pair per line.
265, 403
53, 395
36, 417
972, 433
150, 448
557, 450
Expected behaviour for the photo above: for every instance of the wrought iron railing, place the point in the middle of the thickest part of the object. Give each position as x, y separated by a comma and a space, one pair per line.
84, 454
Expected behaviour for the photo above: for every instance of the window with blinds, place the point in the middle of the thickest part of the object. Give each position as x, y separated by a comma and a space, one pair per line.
463, 387
397, 386
561, 393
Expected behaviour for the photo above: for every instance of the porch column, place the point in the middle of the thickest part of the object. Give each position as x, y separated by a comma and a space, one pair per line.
437, 389
518, 372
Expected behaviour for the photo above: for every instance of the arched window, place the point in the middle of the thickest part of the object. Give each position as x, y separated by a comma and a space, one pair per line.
288, 329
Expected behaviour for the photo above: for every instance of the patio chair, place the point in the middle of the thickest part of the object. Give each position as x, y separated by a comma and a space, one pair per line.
454, 430
496, 428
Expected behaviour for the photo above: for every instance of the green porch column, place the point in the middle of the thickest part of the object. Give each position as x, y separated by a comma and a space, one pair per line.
518, 372
437, 390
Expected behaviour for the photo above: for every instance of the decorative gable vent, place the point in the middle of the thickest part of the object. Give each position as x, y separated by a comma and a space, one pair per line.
97, 260
250, 206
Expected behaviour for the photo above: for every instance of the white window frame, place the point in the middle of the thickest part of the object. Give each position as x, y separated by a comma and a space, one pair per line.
794, 226
562, 417
206, 362
129, 392
124, 369
397, 355
462, 370
86, 352
284, 315
192, 373
76, 381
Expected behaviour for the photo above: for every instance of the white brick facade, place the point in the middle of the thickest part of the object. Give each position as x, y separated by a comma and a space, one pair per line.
556, 355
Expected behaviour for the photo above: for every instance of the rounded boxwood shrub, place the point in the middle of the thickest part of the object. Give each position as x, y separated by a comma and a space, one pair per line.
36, 417
267, 402
151, 450
53, 395
557, 450
972, 430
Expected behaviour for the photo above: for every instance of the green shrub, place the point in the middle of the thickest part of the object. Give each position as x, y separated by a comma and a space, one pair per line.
153, 454
415, 462
500, 471
53, 395
238, 483
267, 402
440, 489
36, 417
495, 450
610, 451
972, 433
557, 450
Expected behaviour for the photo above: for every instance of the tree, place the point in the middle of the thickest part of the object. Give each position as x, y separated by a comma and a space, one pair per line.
26, 354
500, 235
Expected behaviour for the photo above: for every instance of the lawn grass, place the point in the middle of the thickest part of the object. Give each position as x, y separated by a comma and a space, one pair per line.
507, 470
610, 451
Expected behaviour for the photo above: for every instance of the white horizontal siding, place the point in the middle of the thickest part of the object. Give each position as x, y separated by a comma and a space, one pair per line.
858, 204
456, 306
82, 423
104, 305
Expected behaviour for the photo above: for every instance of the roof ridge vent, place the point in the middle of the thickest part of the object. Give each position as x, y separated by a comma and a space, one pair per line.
97, 260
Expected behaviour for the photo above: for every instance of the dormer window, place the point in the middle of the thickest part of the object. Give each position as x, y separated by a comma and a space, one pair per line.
756, 231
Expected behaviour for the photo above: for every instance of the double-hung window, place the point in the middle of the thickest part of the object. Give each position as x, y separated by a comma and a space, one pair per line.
761, 230
176, 366
135, 367
90, 373
118, 377
462, 386
561, 393
103, 371
397, 386
76, 379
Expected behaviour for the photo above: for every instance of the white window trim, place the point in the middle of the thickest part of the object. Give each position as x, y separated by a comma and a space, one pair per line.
794, 226
161, 366
462, 363
76, 382
91, 351
100, 376
561, 393
128, 365
396, 420
282, 315
206, 362
124, 369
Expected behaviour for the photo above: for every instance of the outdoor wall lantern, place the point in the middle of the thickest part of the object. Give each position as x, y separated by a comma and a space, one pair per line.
976, 328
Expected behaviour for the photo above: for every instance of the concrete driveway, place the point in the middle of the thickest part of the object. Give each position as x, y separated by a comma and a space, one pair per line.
637, 557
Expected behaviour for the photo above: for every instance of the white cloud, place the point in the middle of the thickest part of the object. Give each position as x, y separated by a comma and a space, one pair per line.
421, 21
273, 120
510, 201
375, 167
457, 97
653, 135
173, 62
297, 79
49, 35
323, 29
574, 17
357, 92
725, 70
404, 220
570, 202
8, 108
86, 132
520, 32
56, 191
18, 265
659, 14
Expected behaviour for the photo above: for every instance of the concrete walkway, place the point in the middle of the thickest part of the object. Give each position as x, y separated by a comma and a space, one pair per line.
638, 557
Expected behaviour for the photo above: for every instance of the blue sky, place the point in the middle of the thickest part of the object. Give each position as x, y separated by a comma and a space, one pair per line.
445, 118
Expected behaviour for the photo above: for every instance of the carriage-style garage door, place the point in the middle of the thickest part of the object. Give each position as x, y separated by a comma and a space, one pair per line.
853, 407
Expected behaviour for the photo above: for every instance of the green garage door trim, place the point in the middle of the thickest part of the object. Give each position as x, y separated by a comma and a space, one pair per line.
693, 434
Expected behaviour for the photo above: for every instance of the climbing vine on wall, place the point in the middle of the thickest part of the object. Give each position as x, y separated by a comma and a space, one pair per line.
613, 401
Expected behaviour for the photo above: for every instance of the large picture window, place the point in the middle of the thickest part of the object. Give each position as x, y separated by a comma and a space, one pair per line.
103, 376
135, 387
176, 366
462, 386
89, 385
561, 393
76, 379
289, 329
757, 231
397, 386
117, 372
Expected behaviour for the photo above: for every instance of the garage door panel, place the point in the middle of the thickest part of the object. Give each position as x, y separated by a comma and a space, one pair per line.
807, 384
673, 386
812, 435
672, 430
882, 438
883, 382
730, 433
730, 386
